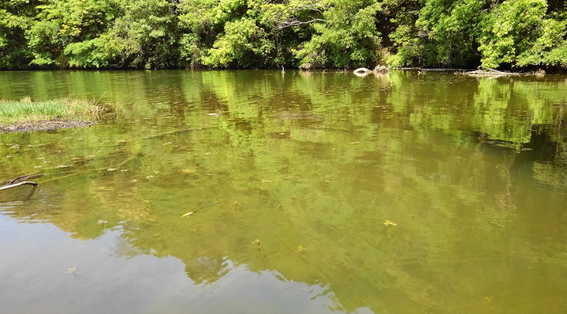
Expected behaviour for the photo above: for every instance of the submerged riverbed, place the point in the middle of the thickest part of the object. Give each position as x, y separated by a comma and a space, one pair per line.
292, 178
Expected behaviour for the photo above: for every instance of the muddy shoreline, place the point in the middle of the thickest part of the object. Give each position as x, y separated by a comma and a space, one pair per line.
44, 125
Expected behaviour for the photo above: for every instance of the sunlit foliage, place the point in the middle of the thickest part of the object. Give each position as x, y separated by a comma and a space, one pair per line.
306, 170
154, 34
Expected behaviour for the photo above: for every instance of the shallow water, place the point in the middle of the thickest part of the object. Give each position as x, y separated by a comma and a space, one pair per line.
471, 171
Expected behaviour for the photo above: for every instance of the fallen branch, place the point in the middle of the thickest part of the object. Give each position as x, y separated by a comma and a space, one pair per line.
492, 73
24, 178
10, 186
496, 71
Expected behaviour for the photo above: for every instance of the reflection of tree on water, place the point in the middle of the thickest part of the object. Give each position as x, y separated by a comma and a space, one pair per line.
324, 168
205, 269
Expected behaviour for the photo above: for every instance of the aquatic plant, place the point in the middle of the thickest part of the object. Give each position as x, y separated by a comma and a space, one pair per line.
30, 113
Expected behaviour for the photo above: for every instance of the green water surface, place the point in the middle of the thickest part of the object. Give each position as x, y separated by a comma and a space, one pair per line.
471, 171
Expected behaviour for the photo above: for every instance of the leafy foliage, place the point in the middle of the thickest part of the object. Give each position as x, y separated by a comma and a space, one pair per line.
510, 30
62, 23
15, 18
154, 34
348, 37
451, 29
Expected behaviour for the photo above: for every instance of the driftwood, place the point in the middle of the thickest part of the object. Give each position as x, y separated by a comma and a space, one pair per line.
21, 181
9, 186
382, 69
496, 71
432, 69
15, 185
491, 73
377, 69
24, 178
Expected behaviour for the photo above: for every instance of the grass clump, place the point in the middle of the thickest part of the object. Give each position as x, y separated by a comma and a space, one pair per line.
25, 110
52, 114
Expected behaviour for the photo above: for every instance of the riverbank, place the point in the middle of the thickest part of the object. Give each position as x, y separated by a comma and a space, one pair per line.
26, 115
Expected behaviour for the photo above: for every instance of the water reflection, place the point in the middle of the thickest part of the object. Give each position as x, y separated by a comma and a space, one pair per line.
86, 277
471, 171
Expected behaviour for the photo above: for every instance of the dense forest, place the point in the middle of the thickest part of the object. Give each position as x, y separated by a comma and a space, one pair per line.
158, 34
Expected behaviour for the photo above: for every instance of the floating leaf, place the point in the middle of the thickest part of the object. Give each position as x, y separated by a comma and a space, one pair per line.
390, 223
187, 214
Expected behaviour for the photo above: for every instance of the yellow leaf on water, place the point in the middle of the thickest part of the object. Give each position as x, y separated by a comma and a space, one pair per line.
188, 171
187, 214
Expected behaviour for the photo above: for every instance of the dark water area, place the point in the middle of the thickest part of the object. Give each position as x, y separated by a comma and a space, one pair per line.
312, 192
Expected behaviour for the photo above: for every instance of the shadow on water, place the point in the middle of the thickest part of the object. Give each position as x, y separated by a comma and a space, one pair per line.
403, 193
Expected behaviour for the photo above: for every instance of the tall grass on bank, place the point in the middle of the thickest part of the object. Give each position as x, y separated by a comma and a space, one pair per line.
26, 110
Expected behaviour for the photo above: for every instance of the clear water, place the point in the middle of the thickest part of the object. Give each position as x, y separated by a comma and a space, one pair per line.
471, 171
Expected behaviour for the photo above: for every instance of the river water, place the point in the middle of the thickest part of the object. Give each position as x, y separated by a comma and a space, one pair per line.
312, 192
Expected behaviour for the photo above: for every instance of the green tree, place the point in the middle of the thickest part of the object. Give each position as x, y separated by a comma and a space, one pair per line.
225, 33
15, 19
450, 28
345, 35
145, 35
61, 23
509, 30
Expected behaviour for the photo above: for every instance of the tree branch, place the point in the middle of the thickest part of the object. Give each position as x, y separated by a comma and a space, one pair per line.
298, 22
9, 186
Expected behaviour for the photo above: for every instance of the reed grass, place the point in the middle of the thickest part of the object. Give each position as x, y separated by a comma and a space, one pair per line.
26, 110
